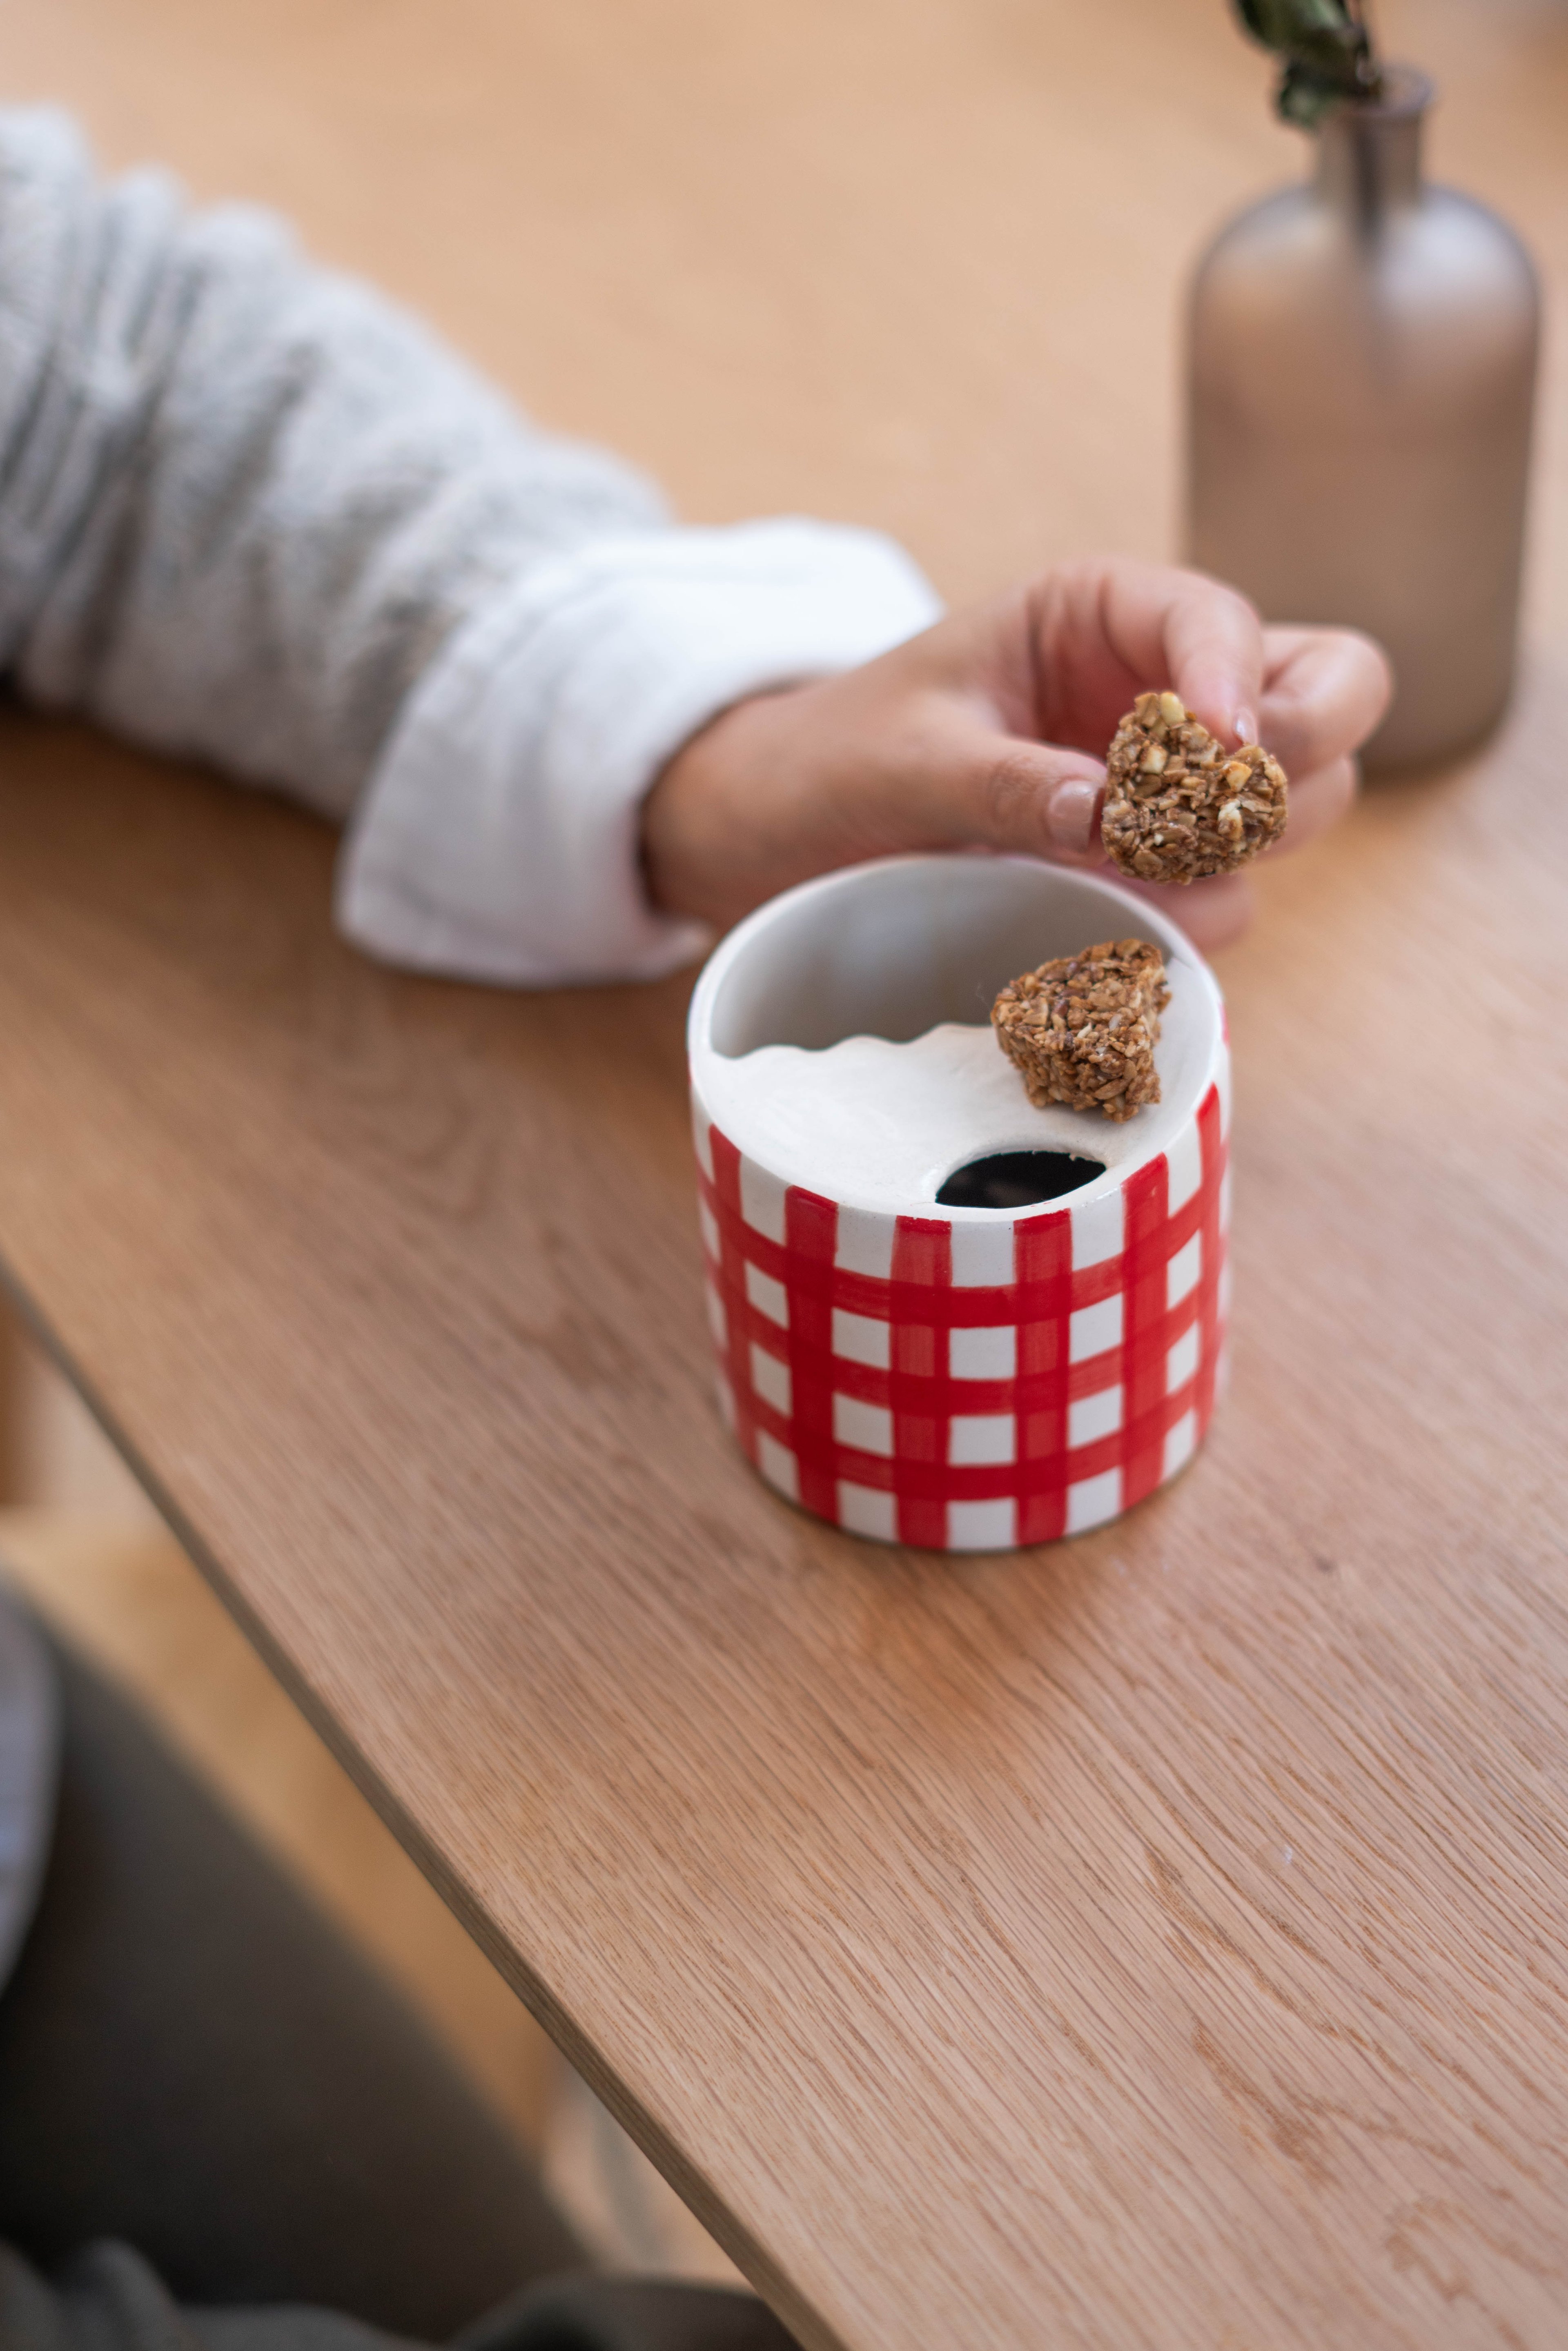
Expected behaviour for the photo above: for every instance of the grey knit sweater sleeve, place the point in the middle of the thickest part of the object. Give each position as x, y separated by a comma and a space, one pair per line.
243, 502
253, 514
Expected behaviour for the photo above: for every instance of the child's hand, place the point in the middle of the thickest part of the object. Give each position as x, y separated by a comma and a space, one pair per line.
988, 730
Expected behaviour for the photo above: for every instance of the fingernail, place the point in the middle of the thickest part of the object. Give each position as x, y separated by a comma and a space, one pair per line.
1072, 818
1246, 725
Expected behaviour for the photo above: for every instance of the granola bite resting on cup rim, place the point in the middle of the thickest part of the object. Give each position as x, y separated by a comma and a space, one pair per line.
1082, 1030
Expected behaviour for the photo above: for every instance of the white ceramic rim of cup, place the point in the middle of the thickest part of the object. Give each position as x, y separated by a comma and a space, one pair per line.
822, 907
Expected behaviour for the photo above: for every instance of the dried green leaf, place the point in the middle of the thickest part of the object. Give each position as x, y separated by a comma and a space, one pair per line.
1328, 55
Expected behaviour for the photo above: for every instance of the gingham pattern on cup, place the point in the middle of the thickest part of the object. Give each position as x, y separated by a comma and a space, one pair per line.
970, 1382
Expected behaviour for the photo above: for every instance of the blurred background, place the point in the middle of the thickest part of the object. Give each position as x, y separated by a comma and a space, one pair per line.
815, 253
819, 255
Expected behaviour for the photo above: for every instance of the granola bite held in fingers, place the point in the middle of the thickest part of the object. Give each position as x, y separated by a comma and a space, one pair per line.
1082, 1029
1178, 805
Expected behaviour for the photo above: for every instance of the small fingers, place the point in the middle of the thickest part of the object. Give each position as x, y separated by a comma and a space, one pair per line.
1102, 631
1325, 692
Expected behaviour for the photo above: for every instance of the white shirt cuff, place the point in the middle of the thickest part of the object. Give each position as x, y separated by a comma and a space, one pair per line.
497, 839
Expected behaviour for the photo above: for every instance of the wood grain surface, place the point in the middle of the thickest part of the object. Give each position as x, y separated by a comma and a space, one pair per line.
1154, 1943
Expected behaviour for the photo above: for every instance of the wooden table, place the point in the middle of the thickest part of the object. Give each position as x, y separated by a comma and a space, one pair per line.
1153, 1942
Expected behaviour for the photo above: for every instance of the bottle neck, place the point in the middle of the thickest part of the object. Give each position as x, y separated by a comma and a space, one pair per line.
1369, 151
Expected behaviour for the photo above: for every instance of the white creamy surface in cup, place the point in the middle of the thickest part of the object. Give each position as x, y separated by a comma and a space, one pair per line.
883, 1126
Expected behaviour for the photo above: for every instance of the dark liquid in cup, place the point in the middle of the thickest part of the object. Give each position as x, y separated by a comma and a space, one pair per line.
1018, 1179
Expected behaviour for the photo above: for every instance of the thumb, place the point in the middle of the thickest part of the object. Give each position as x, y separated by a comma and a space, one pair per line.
1029, 799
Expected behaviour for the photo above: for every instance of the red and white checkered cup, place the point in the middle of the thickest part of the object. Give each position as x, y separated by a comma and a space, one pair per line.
961, 1377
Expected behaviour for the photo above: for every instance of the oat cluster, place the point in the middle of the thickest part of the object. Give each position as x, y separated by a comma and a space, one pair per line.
1177, 805
1082, 1029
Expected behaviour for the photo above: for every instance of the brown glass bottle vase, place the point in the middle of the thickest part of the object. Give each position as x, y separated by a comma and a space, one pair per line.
1362, 370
